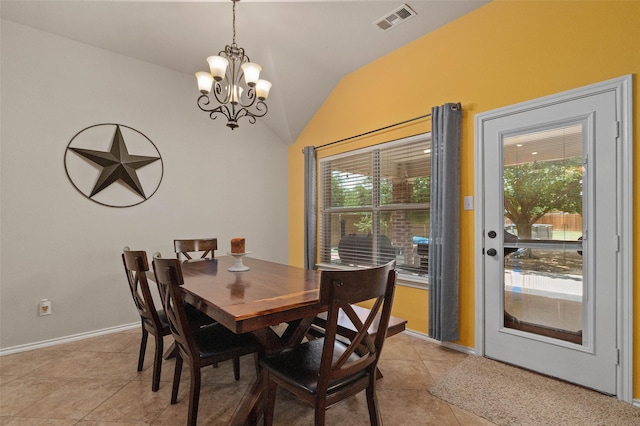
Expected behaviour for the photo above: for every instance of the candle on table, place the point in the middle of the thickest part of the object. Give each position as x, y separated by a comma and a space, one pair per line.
237, 245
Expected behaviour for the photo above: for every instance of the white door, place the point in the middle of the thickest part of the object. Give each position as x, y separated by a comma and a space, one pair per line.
551, 241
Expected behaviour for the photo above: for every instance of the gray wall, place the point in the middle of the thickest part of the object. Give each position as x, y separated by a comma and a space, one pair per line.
57, 244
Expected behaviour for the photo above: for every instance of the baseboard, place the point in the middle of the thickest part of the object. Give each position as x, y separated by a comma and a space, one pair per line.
456, 347
636, 402
67, 339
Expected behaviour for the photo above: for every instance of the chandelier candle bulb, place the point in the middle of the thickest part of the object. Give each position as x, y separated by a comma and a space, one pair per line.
218, 66
205, 81
251, 72
262, 89
236, 93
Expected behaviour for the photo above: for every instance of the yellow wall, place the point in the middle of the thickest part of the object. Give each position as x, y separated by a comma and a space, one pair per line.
501, 54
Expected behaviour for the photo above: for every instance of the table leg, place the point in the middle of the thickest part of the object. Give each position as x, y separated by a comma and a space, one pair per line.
296, 331
249, 410
171, 351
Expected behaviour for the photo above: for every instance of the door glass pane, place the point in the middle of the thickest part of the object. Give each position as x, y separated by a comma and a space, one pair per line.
543, 228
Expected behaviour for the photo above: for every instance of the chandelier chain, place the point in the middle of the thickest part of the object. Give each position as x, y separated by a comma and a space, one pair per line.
234, 21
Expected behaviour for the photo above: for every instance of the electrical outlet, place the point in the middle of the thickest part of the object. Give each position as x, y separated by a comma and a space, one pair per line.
44, 307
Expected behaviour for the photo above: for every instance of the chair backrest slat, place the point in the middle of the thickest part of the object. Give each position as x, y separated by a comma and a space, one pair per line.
169, 278
339, 290
136, 267
186, 247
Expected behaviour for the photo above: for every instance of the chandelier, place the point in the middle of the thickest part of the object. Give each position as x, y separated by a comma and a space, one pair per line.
233, 86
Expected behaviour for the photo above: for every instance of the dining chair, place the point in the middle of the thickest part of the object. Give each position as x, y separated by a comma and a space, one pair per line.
199, 348
205, 248
185, 248
327, 370
153, 321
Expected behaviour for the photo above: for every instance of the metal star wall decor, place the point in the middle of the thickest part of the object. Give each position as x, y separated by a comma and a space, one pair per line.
116, 165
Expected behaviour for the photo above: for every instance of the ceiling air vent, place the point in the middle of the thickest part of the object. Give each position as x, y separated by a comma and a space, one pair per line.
395, 18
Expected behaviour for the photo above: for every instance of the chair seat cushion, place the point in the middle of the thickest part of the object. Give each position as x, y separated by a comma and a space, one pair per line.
299, 366
164, 321
215, 339
196, 317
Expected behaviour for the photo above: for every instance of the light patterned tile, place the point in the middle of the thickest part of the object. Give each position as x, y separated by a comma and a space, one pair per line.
20, 421
90, 365
414, 407
210, 375
469, 419
224, 373
4, 379
399, 347
292, 412
101, 423
133, 403
429, 351
23, 363
17, 395
216, 406
95, 383
404, 374
113, 342
73, 400
438, 359
352, 411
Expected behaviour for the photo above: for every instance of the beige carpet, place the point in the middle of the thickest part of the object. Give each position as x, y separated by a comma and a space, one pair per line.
507, 395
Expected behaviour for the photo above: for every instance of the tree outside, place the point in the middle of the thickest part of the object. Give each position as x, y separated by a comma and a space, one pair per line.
533, 189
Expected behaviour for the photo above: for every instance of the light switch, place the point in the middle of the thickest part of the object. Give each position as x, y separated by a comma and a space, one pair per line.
468, 202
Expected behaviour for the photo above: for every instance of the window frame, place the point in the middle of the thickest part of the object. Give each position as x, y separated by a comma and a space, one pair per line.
324, 213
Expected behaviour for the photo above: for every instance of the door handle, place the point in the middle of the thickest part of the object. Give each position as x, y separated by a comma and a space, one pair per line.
492, 252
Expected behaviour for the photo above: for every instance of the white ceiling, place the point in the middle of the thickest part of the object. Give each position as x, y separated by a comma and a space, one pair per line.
304, 47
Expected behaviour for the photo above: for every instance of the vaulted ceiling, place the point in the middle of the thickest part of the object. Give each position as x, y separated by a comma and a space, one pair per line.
305, 47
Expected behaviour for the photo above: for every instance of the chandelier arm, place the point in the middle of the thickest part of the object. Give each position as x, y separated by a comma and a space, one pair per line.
261, 108
220, 92
252, 119
225, 111
243, 112
260, 111
204, 100
250, 97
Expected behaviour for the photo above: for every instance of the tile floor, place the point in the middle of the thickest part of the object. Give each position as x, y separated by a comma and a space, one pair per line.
94, 382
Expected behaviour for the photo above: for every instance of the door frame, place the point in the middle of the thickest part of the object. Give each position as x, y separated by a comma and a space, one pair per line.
623, 87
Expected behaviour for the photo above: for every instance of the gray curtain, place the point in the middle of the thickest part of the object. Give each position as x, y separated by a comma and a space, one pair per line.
310, 218
444, 238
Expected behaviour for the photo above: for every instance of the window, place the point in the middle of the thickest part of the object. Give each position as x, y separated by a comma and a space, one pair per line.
374, 206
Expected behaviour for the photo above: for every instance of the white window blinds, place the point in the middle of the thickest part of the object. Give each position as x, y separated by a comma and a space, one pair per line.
374, 206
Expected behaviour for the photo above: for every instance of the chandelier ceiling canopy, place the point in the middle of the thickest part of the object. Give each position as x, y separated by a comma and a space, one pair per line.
233, 87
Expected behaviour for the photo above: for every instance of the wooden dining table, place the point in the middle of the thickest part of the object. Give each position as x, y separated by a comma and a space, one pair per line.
252, 301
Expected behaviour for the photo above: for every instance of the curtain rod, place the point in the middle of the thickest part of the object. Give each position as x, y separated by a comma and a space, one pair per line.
374, 131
